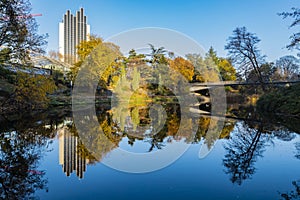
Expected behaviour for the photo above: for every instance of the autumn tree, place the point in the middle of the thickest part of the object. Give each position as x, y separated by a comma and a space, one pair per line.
31, 91
83, 50
243, 50
205, 69
18, 31
183, 66
226, 70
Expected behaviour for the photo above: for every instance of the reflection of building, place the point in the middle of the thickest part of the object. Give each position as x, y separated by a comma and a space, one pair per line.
72, 31
70, 156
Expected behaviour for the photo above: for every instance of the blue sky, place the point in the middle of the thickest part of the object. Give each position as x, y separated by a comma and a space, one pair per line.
209, 22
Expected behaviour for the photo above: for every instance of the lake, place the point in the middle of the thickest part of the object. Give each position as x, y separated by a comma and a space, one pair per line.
136, 153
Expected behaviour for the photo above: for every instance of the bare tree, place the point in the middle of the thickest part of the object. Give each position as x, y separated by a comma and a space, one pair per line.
295, 38
243, 51
55, 55
288, 66
243, 149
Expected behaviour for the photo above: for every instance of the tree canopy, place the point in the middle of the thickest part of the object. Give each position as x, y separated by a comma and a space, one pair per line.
18, 31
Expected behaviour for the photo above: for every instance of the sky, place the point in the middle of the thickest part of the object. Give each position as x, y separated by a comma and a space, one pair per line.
209, 22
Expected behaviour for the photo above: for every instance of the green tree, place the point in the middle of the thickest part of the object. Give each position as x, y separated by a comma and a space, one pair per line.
18, 30
157, 56
213, 55
205, 69
226, 70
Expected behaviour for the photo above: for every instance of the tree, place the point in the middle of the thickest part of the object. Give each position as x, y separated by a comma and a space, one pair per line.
22, 146
157, 56
158, 63
242, 151
99, 61
183, 66
288, 67
205, 70
267, 71
295, 38
243, 50
227, 71
31, 91
18, 30
213, 55
55, 55
86, 47
83, 50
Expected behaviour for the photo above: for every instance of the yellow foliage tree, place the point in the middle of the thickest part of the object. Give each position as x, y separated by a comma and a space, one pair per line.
183, 66
31, 90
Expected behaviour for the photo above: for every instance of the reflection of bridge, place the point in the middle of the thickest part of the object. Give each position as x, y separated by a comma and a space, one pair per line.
208, 85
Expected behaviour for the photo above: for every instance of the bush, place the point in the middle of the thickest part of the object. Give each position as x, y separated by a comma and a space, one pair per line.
281, 101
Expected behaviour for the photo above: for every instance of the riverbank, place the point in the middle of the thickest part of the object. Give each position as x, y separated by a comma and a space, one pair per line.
283, 101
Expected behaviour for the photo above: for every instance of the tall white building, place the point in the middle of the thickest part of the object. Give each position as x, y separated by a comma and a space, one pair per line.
72, 30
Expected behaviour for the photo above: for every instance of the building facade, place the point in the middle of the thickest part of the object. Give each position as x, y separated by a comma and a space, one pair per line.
72, 31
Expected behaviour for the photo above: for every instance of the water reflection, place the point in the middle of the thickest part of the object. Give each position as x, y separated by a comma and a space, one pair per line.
23, 141
70, 156
249, 142
242, 151
293, 194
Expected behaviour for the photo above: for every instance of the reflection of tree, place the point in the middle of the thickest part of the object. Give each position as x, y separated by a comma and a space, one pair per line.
18, 175
292, 194
298, 150
242, 151
156, 142
21, 145
206, 122
99, 134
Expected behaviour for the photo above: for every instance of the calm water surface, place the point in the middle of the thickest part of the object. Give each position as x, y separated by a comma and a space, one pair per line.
43, 156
